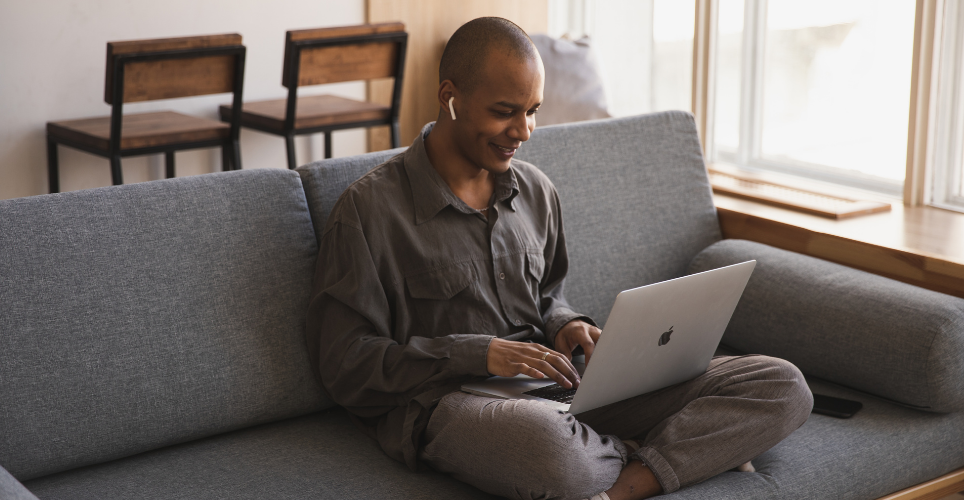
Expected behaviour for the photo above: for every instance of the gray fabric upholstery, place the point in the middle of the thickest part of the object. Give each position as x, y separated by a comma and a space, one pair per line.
317, 456
11, 489
143, 315
882, 449
573, 87
325, 180
858, 329
636, 201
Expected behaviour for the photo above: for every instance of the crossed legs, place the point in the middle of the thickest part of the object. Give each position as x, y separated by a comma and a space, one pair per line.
741, 407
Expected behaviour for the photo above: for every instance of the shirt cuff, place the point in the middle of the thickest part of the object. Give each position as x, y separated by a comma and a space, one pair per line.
558, 318
468, 354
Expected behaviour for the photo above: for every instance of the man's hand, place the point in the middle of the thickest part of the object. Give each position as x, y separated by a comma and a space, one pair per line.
577, 333
508, 358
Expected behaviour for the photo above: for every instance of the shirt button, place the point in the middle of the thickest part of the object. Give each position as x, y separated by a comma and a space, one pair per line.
501, 276
518, 321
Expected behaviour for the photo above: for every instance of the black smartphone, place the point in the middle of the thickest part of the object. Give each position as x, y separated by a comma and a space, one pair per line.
835, 407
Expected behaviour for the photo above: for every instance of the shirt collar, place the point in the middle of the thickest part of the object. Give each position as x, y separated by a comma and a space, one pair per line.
431, 194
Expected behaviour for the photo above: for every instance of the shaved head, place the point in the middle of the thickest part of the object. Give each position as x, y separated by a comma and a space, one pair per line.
464, 57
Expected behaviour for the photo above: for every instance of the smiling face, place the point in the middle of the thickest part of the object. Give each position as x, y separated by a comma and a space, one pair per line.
497, 114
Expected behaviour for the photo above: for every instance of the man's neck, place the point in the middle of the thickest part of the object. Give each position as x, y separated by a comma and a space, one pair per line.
471, 184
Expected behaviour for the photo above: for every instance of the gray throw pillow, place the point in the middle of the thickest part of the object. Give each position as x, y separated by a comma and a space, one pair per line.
574, 90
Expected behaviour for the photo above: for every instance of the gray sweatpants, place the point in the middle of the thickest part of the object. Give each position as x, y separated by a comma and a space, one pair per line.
690, 432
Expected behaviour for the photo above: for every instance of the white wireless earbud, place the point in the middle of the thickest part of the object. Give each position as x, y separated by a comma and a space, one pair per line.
451, 109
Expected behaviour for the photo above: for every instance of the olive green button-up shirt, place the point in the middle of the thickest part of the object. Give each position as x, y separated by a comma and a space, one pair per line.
412, 284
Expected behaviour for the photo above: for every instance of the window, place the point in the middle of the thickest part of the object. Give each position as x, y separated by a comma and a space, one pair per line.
645, 49
819, 89
854, 93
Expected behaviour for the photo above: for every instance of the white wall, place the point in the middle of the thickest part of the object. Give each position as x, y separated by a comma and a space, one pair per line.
52, 58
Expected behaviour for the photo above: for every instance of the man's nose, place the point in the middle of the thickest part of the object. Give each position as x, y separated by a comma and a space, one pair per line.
521, 127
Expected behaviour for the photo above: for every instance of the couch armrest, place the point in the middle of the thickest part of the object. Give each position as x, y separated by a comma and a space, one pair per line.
864, 331
11, 489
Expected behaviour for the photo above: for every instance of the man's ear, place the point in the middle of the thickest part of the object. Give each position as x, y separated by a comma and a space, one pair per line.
447, 91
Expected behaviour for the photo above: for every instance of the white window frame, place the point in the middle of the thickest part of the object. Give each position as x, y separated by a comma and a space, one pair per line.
946, 146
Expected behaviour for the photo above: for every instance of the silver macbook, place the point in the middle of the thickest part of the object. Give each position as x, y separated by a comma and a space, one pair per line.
656, 336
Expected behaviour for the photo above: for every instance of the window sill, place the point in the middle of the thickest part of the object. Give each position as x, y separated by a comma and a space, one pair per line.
923, 246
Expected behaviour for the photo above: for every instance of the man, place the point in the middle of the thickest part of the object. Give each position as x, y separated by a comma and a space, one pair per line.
447, 263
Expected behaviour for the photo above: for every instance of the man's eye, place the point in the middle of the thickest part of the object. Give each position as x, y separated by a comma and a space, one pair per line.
504, 114
532, 112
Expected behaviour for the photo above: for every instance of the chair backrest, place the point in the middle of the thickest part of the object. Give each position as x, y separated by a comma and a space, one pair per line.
344, 54
166, 68
636, 200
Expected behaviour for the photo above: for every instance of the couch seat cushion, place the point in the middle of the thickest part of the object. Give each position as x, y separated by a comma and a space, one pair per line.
322, 455
882, 449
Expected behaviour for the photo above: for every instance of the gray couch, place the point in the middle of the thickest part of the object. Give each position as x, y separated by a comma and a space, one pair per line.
152, 335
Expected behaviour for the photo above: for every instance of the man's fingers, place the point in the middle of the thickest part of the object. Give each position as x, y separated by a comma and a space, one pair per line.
566, 349
595, 333
588, 345
551, 372
564, 366
525, 369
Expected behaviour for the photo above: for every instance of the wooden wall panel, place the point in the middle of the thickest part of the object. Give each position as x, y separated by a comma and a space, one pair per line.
430, 23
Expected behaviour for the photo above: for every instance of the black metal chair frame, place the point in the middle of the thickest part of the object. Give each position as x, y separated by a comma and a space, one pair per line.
230, 147
293, 51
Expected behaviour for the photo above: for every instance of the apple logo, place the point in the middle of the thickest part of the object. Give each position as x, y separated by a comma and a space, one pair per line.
664, 338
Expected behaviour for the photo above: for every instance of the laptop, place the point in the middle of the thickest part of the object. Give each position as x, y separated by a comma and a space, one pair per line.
656, 336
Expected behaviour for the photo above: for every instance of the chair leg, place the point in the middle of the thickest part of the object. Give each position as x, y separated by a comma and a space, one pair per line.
116, 176
226, 161
236, 156
169, 164
53, 166
327, 145
290, 144
395, 134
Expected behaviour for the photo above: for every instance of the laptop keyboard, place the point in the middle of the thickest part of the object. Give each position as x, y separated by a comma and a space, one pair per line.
554, 392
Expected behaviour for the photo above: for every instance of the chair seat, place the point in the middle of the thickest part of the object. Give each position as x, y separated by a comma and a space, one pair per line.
142, 130
312, 111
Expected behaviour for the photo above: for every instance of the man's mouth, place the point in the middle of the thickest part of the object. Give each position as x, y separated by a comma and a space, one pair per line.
504, 151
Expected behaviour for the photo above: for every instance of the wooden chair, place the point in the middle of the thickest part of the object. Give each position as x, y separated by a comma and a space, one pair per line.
146, 70
331, 55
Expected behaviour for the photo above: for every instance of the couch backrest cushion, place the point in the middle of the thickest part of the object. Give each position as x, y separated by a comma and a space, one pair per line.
857, 329
636, 201
138, 316
325, 181
635, 198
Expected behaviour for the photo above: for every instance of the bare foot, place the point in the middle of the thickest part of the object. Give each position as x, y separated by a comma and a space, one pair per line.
635, 481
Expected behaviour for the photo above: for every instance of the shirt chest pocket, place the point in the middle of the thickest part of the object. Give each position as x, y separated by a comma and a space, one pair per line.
535, 267
447, 301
